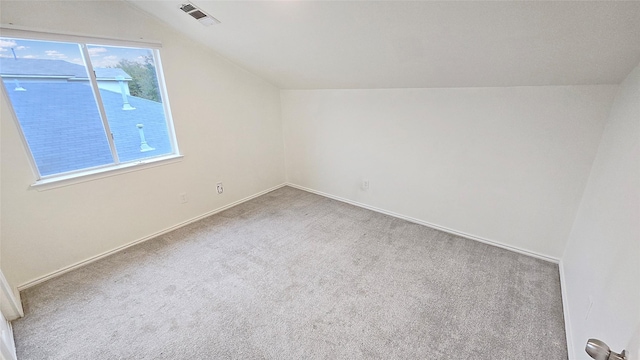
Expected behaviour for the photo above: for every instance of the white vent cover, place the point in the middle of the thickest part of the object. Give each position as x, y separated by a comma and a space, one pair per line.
198, 14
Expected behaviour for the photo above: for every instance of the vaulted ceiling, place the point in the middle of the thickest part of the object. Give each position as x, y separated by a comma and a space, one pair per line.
409, 44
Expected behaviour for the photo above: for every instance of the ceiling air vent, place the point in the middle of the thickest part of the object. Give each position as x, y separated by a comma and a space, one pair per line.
198, 14
187, 7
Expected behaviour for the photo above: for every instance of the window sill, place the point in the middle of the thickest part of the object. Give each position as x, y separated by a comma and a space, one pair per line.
90, 175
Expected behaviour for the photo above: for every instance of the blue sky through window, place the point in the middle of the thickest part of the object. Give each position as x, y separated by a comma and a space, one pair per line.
35, 49
101, 56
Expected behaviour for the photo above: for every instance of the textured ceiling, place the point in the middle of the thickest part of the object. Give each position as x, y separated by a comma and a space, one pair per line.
398, 44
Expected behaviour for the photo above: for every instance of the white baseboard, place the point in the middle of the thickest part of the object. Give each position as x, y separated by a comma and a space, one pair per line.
565, 312
141, 240
372, 208
433, 226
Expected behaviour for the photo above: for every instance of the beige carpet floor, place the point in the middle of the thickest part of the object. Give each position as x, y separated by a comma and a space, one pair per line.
293, 275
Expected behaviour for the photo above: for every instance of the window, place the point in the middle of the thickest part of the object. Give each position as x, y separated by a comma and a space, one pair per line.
84, 107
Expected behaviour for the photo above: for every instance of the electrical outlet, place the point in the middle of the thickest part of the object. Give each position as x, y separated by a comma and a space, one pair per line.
183, 197
365, 184
219, 188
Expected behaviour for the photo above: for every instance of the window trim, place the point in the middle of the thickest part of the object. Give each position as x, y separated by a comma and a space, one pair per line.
88, 174
81, 176
26, 33
98, 99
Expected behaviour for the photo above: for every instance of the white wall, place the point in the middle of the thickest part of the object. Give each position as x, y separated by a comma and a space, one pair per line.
602, 258
504, 164
228, 127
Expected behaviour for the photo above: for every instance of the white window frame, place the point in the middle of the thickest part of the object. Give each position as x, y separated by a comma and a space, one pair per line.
116, 168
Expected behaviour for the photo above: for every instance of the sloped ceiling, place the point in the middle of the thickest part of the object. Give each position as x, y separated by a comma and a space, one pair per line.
418, 44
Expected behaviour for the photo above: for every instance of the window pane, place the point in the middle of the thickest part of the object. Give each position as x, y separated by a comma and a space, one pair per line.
130, 94
51, 94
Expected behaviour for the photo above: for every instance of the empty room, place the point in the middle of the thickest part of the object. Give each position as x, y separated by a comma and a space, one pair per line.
320, 179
